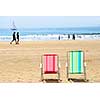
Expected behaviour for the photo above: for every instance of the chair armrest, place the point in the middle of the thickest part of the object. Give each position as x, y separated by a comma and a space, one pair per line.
59, 65
85, 64
40, 65
66, 64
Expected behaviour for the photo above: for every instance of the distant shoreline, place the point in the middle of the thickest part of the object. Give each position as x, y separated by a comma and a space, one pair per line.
52, 37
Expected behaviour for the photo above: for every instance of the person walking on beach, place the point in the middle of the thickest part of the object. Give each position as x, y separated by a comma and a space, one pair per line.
14, 38
73, 36
68, 36
59, 37
17, 42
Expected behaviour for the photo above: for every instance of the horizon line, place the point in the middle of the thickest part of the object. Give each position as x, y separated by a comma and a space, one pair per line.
51, 27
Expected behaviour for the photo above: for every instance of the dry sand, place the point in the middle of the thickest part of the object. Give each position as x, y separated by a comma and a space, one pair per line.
20, 63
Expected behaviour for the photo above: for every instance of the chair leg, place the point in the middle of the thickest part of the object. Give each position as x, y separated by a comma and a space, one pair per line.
85, 75
42, 78
58, 76
67, 74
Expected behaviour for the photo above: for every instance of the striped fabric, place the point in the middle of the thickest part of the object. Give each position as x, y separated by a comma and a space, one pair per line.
50, 63
76, 62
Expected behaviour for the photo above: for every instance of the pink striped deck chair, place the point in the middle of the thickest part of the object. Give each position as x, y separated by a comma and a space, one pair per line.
49, 65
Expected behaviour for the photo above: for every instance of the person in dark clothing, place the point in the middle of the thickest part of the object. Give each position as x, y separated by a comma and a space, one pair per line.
14, 38
59, 37
68, 36
73, 36
17, 38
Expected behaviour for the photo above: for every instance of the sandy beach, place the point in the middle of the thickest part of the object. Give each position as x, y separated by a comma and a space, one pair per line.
20, 63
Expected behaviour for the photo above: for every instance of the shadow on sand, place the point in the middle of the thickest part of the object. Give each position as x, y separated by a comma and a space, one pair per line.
52, 81
77, 80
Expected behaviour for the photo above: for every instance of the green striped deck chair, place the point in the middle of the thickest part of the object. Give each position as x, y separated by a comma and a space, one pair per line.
76, 63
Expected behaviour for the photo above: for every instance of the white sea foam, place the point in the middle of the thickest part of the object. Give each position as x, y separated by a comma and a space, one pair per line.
51, 37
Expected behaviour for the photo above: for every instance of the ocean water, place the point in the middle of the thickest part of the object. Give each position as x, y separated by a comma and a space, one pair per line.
52, 33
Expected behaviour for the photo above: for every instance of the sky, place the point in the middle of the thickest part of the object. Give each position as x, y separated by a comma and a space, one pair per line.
49, 21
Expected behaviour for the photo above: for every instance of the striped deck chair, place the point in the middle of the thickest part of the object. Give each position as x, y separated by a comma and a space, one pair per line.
76, 64
49, 65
